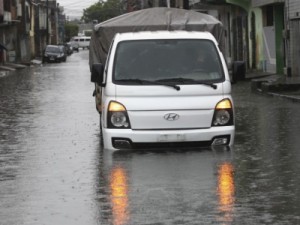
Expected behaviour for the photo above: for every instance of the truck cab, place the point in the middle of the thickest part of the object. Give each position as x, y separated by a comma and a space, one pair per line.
164, 89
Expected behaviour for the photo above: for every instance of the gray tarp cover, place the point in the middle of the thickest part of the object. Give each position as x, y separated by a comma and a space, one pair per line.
151, 19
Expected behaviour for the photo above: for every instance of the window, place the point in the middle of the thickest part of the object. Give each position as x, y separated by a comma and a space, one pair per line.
268, 16
7, 5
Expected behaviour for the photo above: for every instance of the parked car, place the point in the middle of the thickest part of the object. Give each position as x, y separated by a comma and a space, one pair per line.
65, 51
69, 49
54, 53
74, 45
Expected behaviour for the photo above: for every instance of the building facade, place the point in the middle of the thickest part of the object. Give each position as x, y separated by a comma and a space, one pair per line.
267, 22
293, 36
10, 19
27, 26
255, 31
262, 33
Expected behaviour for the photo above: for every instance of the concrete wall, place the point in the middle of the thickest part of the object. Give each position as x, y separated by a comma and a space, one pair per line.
293, 41
294, 9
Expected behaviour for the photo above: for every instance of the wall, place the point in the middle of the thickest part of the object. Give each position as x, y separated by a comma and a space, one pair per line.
293, 42
294, 9
1, 8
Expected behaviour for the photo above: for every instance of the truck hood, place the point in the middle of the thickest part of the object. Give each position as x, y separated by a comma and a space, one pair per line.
147, 106
165, 97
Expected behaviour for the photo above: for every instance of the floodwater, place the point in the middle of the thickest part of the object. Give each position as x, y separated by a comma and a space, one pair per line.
54, 171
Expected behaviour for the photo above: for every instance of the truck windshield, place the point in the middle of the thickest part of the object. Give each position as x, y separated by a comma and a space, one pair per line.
185, 61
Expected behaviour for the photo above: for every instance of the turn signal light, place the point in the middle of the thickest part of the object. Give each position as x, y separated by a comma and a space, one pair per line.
224, 104
116, 107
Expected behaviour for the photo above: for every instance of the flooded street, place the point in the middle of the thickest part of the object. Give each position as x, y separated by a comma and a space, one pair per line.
54, 171
49, 145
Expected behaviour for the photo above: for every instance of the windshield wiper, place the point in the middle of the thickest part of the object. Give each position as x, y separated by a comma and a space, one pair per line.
141, 81
188, 81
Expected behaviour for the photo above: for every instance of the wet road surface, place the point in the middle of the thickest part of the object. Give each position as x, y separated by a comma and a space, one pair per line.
53, 170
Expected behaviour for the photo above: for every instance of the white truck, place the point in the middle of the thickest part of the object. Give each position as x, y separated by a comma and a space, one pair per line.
161, 84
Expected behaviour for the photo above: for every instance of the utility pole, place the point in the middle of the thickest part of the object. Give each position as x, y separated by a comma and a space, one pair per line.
47, 22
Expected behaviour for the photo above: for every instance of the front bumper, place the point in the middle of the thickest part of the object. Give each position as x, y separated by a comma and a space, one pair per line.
154, 139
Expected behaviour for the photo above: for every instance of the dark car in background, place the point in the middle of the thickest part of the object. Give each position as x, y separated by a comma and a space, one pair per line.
74, 45
69, 49
55, 53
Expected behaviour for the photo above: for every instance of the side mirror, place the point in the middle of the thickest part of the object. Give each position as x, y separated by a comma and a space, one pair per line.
97, 73
238, 71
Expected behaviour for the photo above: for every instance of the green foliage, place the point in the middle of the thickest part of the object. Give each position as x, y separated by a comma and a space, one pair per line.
71, 30
102, 11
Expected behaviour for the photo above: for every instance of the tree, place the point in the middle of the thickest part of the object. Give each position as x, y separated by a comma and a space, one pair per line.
102, 11
71, 30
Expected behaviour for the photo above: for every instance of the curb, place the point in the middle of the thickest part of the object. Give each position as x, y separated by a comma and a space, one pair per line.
277, 86
290, 97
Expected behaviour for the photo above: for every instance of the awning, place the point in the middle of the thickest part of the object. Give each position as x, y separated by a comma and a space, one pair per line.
242, 3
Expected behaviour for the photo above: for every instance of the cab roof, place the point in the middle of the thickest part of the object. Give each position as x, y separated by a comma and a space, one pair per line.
146, 35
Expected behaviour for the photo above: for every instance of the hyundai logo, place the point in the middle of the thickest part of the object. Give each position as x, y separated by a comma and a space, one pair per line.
171, 116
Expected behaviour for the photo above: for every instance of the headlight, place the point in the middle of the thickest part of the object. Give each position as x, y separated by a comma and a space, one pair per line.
223, 115
117, 116
119, 119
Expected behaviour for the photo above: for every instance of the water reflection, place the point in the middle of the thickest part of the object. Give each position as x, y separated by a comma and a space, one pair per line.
165, 187
119, 195
226, 189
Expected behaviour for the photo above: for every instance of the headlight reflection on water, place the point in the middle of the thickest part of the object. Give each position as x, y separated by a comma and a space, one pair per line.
119, 196
226, 189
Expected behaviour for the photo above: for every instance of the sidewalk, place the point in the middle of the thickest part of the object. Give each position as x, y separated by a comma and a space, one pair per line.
275, 85
8, 68
16, 66
11, 66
